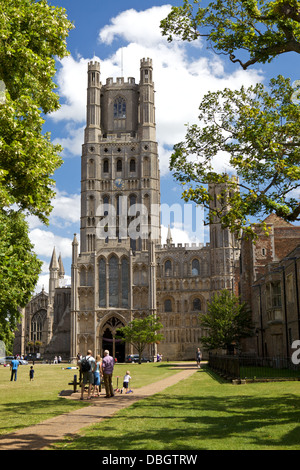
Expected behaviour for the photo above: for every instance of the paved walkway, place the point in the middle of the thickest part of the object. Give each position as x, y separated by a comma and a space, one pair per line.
41, 436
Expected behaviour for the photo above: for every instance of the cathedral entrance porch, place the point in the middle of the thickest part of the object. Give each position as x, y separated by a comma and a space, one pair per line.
108, 339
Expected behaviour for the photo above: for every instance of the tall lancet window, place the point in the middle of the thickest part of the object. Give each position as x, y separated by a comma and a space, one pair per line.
119, 108
102, 283
125, 282
113, 282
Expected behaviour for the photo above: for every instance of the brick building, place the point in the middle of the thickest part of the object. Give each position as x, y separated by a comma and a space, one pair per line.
263, 284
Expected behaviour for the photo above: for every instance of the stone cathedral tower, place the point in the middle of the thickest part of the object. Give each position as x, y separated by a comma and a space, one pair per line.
121, 270
120, 200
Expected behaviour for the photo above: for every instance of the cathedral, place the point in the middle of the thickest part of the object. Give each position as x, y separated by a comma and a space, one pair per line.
121, 270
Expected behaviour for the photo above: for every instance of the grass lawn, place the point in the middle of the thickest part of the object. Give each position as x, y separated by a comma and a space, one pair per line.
23, 403
203, 413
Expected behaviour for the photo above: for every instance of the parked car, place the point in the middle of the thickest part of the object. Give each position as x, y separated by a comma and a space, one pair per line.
6, 360
23, 362
133, 358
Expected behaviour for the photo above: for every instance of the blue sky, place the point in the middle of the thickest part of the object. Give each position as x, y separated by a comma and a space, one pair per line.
119, 33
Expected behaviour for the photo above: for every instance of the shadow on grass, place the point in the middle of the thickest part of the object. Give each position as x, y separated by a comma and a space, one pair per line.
28, 413
181, 422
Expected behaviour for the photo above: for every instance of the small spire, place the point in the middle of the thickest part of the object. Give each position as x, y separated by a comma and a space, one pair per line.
169, 236
54, 262
75, 241
61, 270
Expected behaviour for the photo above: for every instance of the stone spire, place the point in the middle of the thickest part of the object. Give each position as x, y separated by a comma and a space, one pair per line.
169, 236
53, 279
53, 263
61, 269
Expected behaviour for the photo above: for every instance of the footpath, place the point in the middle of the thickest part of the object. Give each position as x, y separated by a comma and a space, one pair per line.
42, 435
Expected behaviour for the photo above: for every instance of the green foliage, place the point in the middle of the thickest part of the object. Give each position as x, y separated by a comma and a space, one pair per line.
140, 332
256, 29
258, 129
19, 270
32, 34
227, 321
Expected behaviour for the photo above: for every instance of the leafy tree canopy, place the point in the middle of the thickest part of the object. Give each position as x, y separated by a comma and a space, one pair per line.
227, 321
259, 129
258, 30
32, 34
140, 332
19, 270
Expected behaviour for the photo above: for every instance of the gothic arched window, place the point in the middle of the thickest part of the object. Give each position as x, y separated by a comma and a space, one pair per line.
132, 165
37, 323
119, 108
197, 304
168, 268
125, 281
195, 267
119, 165
105, 204
168, 305
102, 283
113, 268
105, 166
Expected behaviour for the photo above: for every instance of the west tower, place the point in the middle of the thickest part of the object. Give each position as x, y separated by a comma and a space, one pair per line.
120, 206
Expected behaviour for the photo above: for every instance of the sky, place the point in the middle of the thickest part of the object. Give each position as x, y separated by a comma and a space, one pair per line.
118, 34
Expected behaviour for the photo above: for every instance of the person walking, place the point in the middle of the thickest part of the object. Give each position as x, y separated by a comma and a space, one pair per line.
87, 366
198, 357
14, 368
31, 373
107, 371
126, 382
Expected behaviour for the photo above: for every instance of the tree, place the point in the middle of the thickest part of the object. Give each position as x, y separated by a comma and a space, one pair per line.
19, 271
227, 321
259, 131
257, 29
141, 332
32, 34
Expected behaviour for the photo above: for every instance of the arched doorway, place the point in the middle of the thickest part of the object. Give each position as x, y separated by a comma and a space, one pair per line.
116, 347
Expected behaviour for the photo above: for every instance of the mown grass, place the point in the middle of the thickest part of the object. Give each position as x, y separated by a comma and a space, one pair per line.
199, 413
202, 413
24, 403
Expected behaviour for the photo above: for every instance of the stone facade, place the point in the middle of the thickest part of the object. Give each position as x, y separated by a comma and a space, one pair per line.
121, 270
269, 282
118, 277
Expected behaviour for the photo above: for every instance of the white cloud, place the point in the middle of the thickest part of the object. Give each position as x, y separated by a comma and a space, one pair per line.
180, 235
136, 27
73, 142
65, 212
45, 241
66, 209
180, 80
71, 80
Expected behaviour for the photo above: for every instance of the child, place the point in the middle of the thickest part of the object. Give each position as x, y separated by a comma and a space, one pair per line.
31, 373
126, 381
